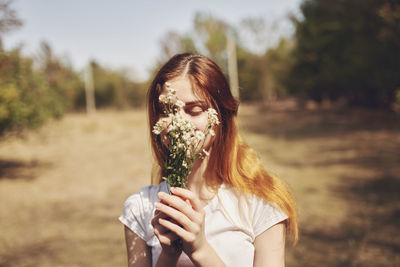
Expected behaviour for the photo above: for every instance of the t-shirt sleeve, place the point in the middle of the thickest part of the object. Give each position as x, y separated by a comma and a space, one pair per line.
138, 212
265, 215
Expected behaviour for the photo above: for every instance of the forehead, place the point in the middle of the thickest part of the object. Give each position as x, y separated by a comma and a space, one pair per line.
185, 90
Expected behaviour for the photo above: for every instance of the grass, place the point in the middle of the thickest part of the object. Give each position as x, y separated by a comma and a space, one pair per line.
62, 187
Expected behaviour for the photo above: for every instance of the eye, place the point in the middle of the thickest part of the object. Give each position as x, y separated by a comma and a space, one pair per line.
195, 111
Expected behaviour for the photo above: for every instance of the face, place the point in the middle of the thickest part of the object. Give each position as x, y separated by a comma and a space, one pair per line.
195, 108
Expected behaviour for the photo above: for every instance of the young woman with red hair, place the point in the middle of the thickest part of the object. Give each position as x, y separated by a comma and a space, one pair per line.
233, 212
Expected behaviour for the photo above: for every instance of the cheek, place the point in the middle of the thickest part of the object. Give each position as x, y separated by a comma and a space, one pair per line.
201, 122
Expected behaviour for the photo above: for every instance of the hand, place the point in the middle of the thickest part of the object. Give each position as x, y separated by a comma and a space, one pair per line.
184, 208
165, 236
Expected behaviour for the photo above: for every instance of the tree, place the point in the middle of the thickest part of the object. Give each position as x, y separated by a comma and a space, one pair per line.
8, 17
209, 37
64, 82
174, 43
114, 88
347, 49
277, 63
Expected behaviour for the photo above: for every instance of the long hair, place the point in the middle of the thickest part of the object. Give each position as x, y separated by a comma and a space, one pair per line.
231, 161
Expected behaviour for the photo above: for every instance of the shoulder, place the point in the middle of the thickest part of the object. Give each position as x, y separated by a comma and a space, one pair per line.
265, 214
146, 197
254, 212
139, 210
249, 201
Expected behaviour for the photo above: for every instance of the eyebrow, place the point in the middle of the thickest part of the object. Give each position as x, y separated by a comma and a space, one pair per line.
195, 103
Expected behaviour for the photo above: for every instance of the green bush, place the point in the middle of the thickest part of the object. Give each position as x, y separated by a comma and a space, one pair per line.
25, 97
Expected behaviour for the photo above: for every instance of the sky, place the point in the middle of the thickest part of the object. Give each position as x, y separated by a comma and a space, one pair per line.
126, 33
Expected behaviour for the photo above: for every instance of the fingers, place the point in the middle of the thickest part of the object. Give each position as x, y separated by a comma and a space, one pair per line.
179, 204
155, 222
186, 194
179, 231
179, 217
164, 235
183, 218
166, 238
157, 215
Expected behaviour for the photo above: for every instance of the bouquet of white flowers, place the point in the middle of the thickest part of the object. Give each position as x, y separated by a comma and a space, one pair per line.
185, 142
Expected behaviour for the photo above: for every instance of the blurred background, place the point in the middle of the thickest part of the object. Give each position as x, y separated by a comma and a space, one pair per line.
319, 83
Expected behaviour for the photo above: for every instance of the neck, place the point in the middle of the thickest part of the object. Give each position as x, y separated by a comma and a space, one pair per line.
197, 183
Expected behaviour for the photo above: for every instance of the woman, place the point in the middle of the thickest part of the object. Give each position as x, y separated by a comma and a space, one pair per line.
233, 212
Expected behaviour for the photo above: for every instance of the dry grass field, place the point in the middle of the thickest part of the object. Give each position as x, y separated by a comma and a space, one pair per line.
62, 187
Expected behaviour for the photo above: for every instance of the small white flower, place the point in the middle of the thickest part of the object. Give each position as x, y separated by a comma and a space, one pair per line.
212, 132
184, 164
211, 111
212, 116
216, 120
171, 91
162, 98
171, 127
179, 117
186, 137
199, 135
213, 119
158, 127
182, 126
180, 103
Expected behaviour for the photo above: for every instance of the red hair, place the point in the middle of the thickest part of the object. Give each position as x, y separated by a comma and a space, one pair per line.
231, 161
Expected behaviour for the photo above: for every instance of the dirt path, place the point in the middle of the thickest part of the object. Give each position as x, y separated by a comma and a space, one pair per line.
344, 167
62, 187
62, 190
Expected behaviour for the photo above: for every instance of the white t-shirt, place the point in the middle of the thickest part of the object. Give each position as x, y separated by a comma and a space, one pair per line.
232, 222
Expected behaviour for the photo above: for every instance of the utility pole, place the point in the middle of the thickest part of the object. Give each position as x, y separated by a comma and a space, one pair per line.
232, 66
89, 90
